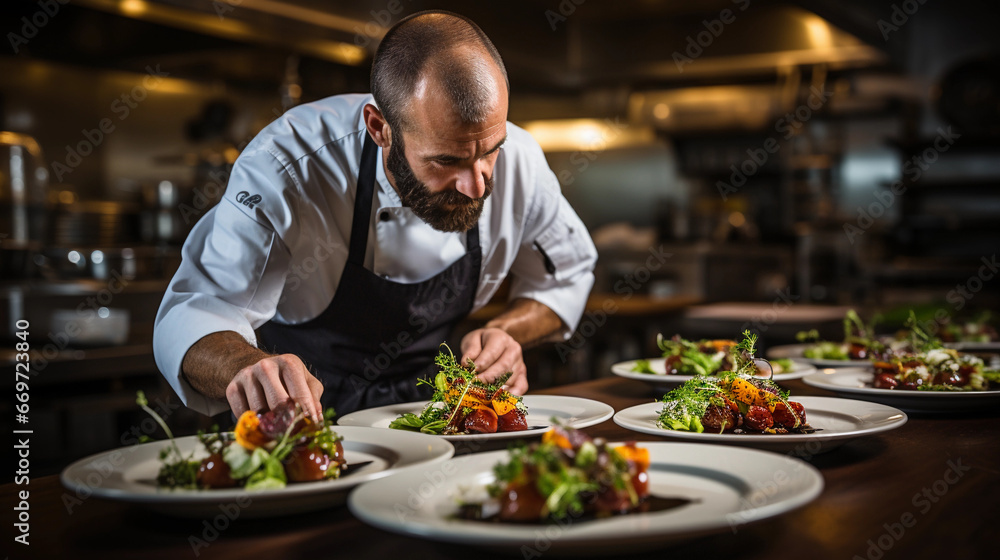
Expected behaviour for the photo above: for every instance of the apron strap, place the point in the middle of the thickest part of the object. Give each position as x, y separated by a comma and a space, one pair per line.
363, 202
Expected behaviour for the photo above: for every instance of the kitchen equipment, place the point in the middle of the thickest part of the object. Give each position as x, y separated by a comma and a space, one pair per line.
105, 263
95, 223
22, 203
102, 327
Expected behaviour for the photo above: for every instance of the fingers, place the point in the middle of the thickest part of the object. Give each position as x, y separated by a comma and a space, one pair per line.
268, 373
508, 359
494, 343
316, 389
299, 390
472, 345
518, 383
254, 392
272, 381
237, 399
500, 354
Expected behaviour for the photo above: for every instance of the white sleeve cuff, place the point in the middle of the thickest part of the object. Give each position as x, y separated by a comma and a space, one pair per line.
567, 301
177, 332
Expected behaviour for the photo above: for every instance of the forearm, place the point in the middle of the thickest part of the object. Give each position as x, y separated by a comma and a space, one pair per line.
212, 362
528, 322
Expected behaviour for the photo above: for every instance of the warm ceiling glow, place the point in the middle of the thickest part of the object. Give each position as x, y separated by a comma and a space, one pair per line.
661, 110
819, 32
567, 135
133, 7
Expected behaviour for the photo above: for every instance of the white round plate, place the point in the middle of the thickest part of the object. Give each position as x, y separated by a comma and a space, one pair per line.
796, 351
856, 384
128, 474
727, 488
836, 421
571, 411
660, 377
991, 346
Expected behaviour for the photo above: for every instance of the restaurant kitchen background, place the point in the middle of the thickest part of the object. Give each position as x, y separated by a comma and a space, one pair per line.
740, 164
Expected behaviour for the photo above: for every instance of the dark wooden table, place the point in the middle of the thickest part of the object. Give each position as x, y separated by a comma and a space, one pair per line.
938, 474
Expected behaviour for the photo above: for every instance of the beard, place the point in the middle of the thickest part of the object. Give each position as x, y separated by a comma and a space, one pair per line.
449, 211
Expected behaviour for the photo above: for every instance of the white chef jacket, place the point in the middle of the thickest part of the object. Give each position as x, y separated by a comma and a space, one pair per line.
275, 246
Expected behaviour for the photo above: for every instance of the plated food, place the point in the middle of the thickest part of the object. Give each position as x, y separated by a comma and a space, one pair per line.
544, 411
735, 401
975, 330
684, 360
856, 383
266, 450
704, 357
938, 369
462, 404
709, 488
835, 420
860, 342
134, 474
929, 366
567, 474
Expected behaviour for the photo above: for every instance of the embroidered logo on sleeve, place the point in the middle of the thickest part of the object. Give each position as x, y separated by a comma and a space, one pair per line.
247, 199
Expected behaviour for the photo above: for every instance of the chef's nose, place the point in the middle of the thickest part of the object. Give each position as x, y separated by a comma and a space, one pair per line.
472, 182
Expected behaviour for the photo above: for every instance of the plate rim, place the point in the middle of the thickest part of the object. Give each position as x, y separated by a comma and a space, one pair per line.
817, 362
812, 379
169, 497
607, 412
751, 439
664, 379
519, 535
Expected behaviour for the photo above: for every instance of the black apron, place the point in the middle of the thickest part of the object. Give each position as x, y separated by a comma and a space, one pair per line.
377, 337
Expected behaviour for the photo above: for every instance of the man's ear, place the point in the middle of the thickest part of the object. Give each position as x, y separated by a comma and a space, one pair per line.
378, 127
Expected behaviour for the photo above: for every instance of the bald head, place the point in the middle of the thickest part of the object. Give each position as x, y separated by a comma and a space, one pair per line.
433, 53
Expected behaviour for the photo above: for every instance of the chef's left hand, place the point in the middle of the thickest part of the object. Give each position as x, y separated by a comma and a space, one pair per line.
495, 352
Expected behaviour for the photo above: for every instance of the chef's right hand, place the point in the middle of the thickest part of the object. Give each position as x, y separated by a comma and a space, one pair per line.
270, 382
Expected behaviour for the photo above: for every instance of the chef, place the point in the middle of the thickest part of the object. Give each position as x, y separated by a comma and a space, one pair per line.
356, 231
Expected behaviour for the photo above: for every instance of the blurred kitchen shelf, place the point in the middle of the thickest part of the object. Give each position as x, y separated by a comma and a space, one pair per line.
965, 142
972, 185
72, 365
632, 306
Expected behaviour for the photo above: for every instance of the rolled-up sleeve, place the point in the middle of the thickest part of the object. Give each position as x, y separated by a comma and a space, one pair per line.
230, 278
556, 259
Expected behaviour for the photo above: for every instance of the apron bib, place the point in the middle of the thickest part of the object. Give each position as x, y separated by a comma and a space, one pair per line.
377, 337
